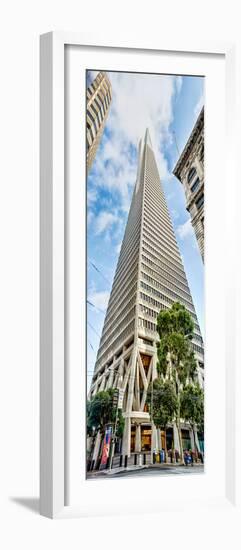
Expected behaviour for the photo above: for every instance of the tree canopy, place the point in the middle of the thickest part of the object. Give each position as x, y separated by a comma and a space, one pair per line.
162, 402
176, 359
101, 411
192, 405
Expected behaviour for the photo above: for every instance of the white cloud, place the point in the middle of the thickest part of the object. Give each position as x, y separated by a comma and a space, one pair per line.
90, 216
104, 221
118, 248
185, 230
139, 101
179, 81
174, 214
91, 196
99, 299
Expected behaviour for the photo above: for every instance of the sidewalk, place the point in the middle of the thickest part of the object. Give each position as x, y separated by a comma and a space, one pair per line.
162, 466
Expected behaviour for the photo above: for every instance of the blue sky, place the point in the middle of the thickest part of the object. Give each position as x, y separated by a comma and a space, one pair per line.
166, 104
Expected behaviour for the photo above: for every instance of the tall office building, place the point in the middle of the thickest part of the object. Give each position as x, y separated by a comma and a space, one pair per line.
190, 171
99, 96
149, 277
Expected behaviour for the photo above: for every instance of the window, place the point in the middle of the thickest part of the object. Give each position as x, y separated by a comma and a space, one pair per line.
195, 185
200, 202
191, 174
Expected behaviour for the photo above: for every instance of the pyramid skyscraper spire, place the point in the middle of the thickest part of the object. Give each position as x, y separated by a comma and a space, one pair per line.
149, 277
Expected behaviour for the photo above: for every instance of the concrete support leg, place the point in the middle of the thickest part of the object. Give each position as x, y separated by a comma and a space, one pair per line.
192, 439
197, 440
126, 441
176, 438
159, 440
154, 443
96, 448
138, 439
110, 379
102, 385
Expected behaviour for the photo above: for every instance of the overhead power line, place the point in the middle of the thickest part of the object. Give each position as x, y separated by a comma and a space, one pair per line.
91, 346
94, 329
175, 139
99, 271
93, 305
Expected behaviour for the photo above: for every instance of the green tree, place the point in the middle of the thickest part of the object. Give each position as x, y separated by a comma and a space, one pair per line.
100, 411
192, 407
176, 360
162, 403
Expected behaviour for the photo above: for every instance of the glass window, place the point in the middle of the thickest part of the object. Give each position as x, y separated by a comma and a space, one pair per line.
195, 185
191, 174
200, 202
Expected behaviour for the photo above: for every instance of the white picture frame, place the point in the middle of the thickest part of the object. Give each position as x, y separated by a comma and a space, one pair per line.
53, 432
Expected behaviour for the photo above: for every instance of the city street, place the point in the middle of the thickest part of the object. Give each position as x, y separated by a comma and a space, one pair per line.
149, 471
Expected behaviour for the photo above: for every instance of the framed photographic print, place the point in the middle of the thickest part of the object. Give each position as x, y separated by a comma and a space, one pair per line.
137, 360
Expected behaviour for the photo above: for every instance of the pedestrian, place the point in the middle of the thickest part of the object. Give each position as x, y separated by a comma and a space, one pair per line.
191, 457
186, 457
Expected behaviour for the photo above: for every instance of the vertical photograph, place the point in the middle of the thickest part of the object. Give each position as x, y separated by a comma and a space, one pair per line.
145, 274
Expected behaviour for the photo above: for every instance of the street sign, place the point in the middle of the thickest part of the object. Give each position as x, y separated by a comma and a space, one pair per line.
115, 397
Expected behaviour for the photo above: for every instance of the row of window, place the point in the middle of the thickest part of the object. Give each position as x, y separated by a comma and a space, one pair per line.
196, 185
157, 230
127, 275
160, 307
155, 196
143, 323
90, 136
130, 252
160, 268
116, 329
148, 311
200, 202
154, 214
133, 258
166, 242
116, 299
191, 174
165, 289
129, 301
152, 301
162, 251
166, 281
178, 269
162, 296
154, 221
115, 344
197, 348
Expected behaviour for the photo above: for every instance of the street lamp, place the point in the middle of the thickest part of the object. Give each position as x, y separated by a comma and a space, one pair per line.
115, 404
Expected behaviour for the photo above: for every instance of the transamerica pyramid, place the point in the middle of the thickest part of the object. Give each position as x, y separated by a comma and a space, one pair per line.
149, 277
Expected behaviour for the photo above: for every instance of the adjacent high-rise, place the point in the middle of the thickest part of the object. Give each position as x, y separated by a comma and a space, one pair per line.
99, 96
149, 277
190, 171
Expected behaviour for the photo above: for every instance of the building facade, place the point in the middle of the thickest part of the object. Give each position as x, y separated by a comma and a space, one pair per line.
99, 94
149, 277
190, 171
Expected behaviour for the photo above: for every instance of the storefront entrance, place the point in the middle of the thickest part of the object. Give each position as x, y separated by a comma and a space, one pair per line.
186, 441
169, 438
145, 438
